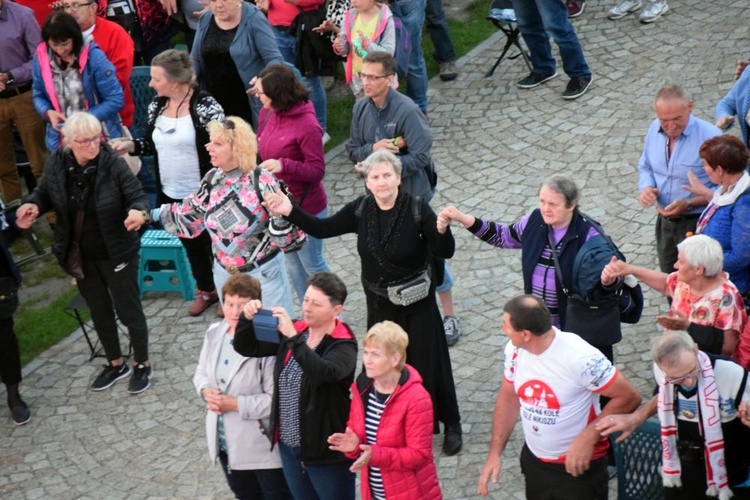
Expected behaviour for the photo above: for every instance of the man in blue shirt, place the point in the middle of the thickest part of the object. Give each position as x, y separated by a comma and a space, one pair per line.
670, 153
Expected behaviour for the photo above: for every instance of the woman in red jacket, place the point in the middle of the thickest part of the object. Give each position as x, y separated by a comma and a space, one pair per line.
389, 432
290, 144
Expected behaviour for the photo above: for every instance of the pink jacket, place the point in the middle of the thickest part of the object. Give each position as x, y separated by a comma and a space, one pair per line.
404, 439
294, 137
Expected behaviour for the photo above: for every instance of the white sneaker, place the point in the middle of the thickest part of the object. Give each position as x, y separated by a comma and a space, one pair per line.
326, 138
623, 8
654, 10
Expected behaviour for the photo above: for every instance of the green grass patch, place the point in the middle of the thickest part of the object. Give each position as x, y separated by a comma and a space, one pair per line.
38, 329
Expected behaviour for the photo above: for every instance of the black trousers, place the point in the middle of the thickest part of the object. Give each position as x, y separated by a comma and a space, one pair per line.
10, 355
199, 255
107, 290
546, 481
693, 479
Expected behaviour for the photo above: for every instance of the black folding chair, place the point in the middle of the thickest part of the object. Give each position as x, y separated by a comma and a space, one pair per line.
503, 17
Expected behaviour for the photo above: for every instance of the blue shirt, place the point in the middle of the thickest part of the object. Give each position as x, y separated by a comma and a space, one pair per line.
19, 36
668, 175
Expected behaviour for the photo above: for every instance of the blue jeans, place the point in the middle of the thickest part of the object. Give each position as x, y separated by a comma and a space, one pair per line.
274, 282
316, 481
288, 48
447, 283
537, 20
257, 484
438, 29
306, 261
411, 13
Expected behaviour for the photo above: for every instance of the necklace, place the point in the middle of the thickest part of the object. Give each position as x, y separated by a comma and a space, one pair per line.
378, 395
177, 111
313, 345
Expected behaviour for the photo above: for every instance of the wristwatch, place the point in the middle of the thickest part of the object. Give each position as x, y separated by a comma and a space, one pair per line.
10, 78
146, 216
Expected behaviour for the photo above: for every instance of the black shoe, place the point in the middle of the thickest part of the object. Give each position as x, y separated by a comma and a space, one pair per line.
21, 413
577, 87
141, 379
453, 441
109, 376
534, 80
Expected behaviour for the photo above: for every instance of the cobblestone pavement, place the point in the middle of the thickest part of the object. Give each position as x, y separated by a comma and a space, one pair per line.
494, 144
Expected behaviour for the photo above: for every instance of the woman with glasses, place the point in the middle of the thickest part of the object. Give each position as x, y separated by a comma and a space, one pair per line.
228, 207
232, 44
100, 207
71, 75
176, 136
704, 302
290, 142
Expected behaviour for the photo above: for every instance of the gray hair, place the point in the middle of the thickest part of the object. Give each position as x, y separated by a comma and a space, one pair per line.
564, 185
81, 123
378, 157
702, 250
673, 93
666, 348
177, 66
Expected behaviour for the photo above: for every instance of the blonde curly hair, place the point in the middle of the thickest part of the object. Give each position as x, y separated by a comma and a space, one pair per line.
239, 134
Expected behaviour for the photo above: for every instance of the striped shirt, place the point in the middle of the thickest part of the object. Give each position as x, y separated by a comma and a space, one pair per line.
375, 406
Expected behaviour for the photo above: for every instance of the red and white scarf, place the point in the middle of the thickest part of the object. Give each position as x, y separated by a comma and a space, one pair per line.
710, 424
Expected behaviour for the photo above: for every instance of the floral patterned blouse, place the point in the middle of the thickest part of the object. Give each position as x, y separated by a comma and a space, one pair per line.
721, 308
227, 206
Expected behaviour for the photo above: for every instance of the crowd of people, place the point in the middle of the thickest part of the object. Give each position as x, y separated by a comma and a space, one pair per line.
237, 129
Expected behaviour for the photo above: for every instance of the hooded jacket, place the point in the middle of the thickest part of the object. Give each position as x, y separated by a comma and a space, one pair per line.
294, 137
404, 439
104, 95
328, 371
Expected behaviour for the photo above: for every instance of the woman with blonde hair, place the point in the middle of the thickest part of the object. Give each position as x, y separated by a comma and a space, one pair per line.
227, 206
388, 432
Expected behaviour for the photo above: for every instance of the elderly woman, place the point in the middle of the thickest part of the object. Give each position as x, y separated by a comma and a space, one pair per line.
704, 302
388, 432
397, 237
557, 220
176, 136
232, 44
727, 216
71, 75
228, 207
93, 191
315, 360
736, 103
238, 392
291, 147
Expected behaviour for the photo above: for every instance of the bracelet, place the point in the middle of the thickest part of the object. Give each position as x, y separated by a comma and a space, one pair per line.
689, 204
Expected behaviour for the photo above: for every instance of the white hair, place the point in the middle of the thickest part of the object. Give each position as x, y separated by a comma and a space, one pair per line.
702, 250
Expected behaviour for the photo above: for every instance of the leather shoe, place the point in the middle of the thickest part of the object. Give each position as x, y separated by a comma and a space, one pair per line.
203, 301
21, 413
453, 442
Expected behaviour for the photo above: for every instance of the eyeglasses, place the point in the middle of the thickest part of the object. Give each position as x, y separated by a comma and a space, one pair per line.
228, 124
88, 142
676, 381
74, 6
365, 76
168, 131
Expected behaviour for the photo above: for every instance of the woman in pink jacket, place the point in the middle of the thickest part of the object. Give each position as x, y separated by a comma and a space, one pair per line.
389, 431
290, 144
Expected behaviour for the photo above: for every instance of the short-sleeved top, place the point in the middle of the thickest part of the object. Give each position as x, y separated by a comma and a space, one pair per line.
558, 391
721, 308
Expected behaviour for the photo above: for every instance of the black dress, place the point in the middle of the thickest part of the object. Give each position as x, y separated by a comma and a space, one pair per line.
389, 241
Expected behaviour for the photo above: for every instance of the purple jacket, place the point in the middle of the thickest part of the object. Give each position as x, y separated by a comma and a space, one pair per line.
295, 138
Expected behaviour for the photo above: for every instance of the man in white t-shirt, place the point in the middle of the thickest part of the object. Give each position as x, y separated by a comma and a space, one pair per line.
553, 379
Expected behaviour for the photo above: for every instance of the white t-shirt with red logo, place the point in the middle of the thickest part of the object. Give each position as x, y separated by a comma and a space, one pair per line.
558, 392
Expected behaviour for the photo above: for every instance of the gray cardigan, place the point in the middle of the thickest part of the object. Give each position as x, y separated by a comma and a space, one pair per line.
251, 382
400, 117
254, 47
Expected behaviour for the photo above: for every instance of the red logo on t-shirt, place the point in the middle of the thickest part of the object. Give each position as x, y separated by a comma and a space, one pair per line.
537, 393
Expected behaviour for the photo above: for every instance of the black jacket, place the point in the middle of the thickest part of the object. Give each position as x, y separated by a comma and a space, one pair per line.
328, 372
116, 191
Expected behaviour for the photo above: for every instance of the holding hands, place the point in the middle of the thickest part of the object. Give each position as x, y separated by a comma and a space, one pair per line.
26, 215
451, 213
615, 269
278, 203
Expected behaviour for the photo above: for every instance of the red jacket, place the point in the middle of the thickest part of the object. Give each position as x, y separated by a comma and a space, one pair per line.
118, 47
404, 440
